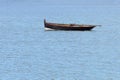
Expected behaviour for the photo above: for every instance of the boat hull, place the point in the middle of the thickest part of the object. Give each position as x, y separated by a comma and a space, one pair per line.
75, 27
69, 28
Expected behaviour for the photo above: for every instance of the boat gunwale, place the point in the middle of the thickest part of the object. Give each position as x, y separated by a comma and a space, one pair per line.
69, 25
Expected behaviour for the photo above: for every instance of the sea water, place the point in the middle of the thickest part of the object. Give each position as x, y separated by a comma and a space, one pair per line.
28, 52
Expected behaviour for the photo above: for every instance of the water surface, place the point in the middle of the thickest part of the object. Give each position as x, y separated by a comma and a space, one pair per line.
27, 52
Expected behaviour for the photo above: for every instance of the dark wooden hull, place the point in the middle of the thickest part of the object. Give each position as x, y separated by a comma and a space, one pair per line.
75, 27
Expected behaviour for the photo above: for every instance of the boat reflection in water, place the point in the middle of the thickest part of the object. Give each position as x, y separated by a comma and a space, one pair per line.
77, 27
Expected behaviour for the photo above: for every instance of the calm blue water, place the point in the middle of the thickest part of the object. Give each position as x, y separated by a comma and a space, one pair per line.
27, 52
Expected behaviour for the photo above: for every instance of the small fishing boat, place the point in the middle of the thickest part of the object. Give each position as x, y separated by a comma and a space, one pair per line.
58, 26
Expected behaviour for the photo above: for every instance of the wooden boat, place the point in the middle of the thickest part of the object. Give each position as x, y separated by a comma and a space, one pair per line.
80, 27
